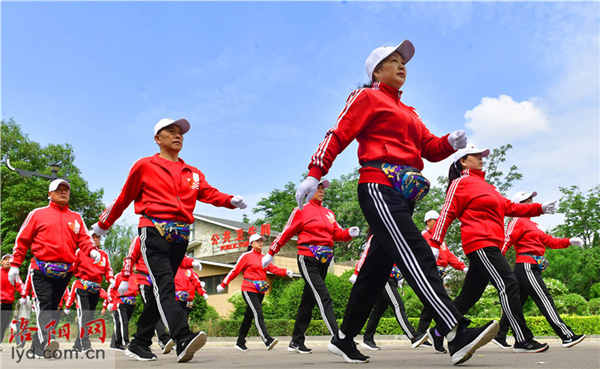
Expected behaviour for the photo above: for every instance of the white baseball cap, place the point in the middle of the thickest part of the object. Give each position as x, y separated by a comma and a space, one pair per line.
57, 182
6, 256
325, 183
256, 237
470, 149
522, 196
405, 48
431, 214
182, 123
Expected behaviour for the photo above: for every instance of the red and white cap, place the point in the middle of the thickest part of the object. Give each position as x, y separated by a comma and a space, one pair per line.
522, 196
405, 48
182, 123
470, 149
256, 237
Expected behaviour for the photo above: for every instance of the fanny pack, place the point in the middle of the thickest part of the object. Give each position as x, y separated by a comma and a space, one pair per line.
409, 181
128, 300
171, 231
441, 272
182, 295
189, 304
53, 269
323, 254
261, 286
92, 287
396, 273
541, 261
147, 277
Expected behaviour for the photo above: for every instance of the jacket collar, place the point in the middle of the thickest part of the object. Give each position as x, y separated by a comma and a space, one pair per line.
387, 89
316, 202
478, 173
58, 207
156, 159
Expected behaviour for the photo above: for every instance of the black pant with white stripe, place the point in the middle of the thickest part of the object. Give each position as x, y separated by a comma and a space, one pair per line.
86, 307
163, 260
6, 313
489, 265
253, 311
121, 317
396, 240
389, 297
531, 284
315, 292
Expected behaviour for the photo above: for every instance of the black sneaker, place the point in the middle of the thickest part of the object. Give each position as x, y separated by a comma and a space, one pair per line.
501, 342
188, 345
418, 340
271, 343
570, 342
118, 347
346, 348
299, 348
532, 346
426, 344
468, 340
140, 353
167, 346
241, 346
369, 344
438, 341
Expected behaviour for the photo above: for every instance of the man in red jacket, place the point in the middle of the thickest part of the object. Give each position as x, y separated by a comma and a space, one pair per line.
7, 294
164, 190
53, 233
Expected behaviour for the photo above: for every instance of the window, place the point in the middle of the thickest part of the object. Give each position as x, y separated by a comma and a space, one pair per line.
212, 282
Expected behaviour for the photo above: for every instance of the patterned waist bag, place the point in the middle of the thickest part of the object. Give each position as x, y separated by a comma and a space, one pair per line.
323, 254
53, 269
182, 296
409, 181
396, 273
261, 286
541, 261
128, 300
171, 231
441, 272
91, 287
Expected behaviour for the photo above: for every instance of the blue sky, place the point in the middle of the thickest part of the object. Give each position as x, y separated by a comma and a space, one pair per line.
262, 82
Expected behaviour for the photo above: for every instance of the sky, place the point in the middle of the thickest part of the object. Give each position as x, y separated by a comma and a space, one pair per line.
262, 82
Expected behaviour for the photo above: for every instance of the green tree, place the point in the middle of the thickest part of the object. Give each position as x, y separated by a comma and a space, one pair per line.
582, 215
496, 177
277, 207
117, 242
20, 195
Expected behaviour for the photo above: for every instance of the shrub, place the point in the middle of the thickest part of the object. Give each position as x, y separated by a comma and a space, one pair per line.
412, 304
571, 303
595, 290
488, 305
556, 287
594, 306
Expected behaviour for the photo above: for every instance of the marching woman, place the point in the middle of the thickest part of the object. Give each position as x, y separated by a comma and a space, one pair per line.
530, 244
122, 306
254, 287
481, 210
317, 229
392, 142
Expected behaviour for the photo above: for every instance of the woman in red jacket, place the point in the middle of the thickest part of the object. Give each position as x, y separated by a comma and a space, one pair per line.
317, 229
530, 244
254, 287
481, 210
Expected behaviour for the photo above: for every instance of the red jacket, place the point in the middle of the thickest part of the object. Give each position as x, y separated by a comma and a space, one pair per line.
363, 256
7, 290
113, 293
315, 225
481, 210
157, 194
445, 256
527, 238
386, 130
187, 280
86, 268
53, 233
250, 264
64, 299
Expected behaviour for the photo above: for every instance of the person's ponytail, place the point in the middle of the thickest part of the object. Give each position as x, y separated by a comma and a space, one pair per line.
454, 172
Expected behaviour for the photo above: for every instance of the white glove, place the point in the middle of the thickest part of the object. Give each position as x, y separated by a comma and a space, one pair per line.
289, 273
220, 289
95, 254
97, 230
307, 189
238, 202
549, 207
123, 287
465, 270
205, 296
196, 264
202, 284
109, 307
352, 278
458, 139
22, 301
67, 311
576, 241
354, 231
111, 283
266, 260
13, 274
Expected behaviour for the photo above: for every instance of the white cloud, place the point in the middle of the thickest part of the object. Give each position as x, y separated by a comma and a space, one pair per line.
505, 119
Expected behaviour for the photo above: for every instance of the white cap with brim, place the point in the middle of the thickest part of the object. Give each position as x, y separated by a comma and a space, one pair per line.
431, 214
57, 182
470, 149
324, 183
522, 196
256, 237
405, 48
6, 256
182, 123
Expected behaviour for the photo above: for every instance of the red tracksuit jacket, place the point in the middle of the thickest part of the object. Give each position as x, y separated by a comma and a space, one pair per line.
481, 210
250, 264
85, 268
386, 130
187, 280
157, 194
315, 225
53, 233
527, 238
113, 293
445, 257
7, 290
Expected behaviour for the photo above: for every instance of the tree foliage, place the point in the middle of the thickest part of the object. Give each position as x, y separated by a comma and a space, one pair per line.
582, 215
116, 244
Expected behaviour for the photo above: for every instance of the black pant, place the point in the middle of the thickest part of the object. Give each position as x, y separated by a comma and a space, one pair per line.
86, 309
389, 297
315, 292
161, 330
396, 240
489, 265
531, 284
6, 313
121, 316
48, 294
163, 260
253, 311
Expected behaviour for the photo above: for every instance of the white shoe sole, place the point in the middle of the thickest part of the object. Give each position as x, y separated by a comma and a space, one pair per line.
137, 357
196, 344
335, 350
484, 337
571, 344
275, 342
168, 347
362, 344
420, 342
501, 345
524, 351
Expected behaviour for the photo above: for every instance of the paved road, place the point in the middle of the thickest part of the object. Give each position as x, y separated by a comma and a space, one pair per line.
396, 353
